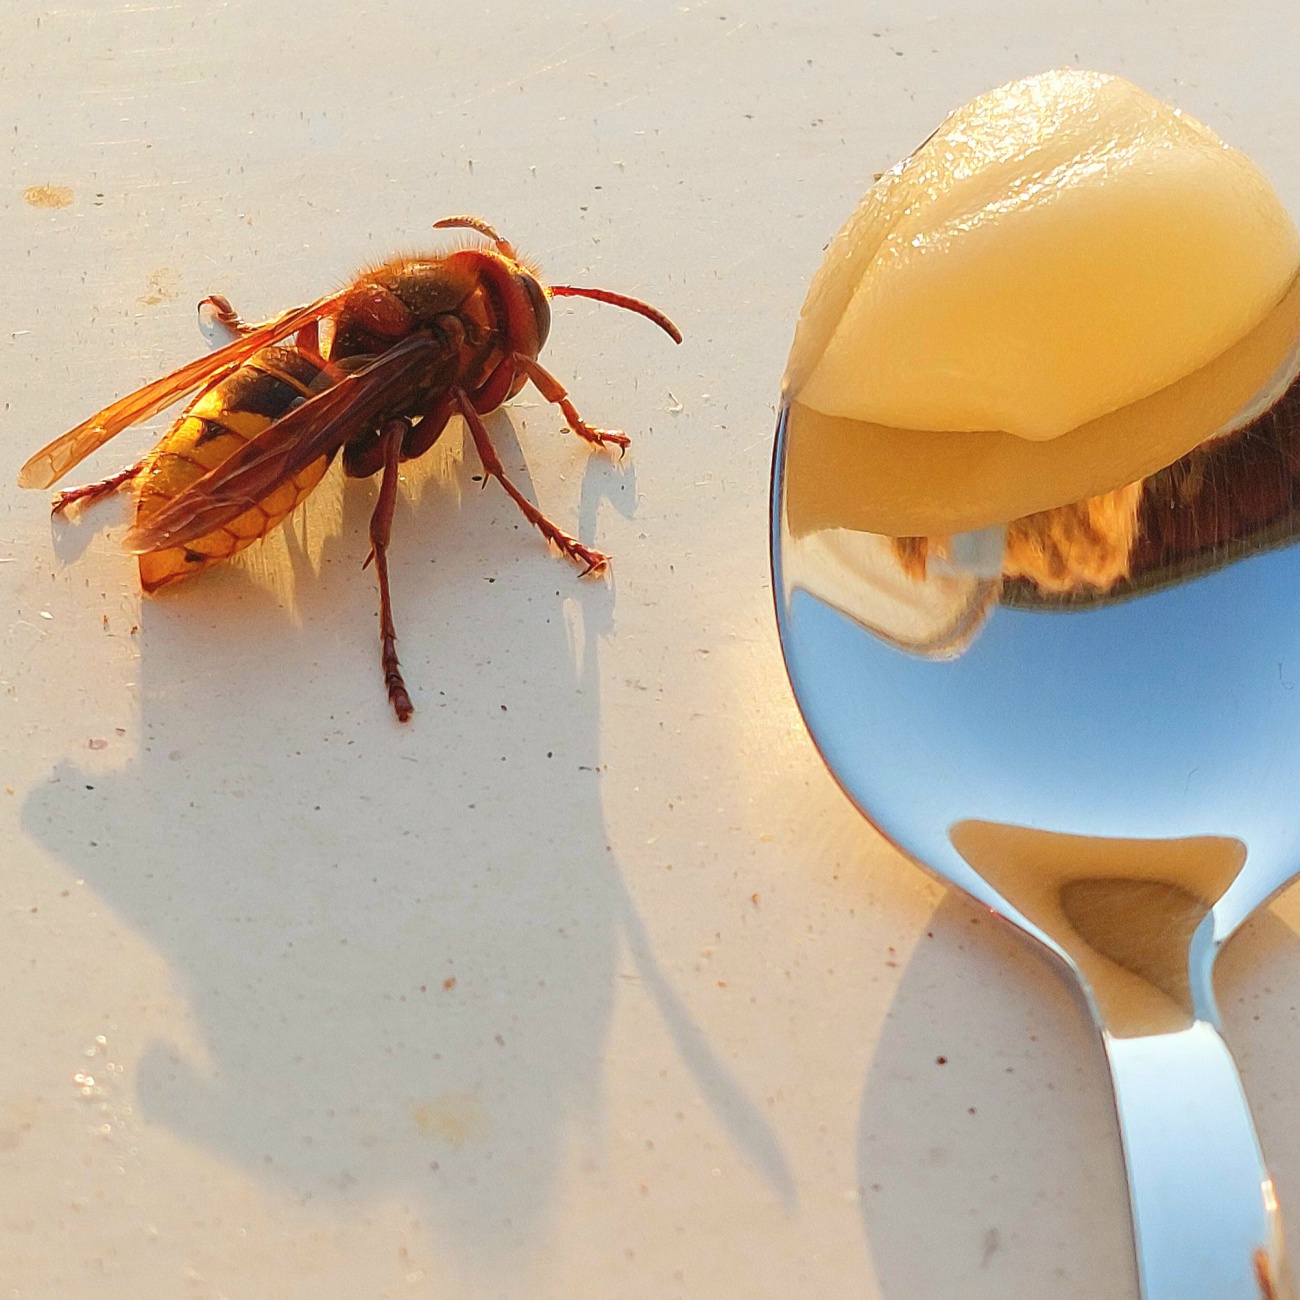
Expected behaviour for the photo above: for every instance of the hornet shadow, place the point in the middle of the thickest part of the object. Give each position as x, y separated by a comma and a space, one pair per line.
399, 945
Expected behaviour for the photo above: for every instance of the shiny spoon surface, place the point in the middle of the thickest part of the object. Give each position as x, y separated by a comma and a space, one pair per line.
1089, 721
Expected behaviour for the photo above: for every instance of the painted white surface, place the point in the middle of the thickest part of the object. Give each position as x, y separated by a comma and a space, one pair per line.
691, 1047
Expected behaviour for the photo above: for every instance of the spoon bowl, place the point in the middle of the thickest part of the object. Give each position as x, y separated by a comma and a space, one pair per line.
1089, 721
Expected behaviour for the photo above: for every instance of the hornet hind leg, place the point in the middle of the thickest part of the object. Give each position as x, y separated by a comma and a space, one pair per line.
89, 492
381, 528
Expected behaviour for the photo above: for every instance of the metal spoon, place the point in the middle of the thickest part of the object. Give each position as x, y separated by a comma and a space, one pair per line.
1087, 720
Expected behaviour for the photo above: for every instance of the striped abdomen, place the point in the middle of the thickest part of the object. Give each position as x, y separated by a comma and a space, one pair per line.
218, 424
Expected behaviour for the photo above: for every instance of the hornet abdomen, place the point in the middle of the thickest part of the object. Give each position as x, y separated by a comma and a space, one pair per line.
231, 413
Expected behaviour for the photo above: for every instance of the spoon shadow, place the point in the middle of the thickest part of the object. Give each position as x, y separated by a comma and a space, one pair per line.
957, 1160
987, 1100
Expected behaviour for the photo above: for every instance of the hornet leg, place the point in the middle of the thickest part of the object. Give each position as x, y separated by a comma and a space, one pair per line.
364, 456
381, 527
595, 562
430, 429
554, 391
89, 492
226, 316
307, 338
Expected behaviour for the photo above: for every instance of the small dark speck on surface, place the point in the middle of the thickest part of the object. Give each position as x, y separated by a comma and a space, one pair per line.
992, 1244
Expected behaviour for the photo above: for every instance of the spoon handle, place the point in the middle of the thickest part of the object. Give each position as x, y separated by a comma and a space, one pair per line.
1205, 1217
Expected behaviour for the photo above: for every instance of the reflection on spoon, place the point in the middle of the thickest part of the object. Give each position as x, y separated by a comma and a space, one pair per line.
1229, 498
1232, 496
1126, 911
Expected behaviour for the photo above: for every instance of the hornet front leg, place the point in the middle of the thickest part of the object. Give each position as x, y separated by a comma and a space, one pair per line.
554, 391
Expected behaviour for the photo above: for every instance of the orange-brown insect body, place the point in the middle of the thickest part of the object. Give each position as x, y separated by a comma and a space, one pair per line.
470, 299
375, 372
